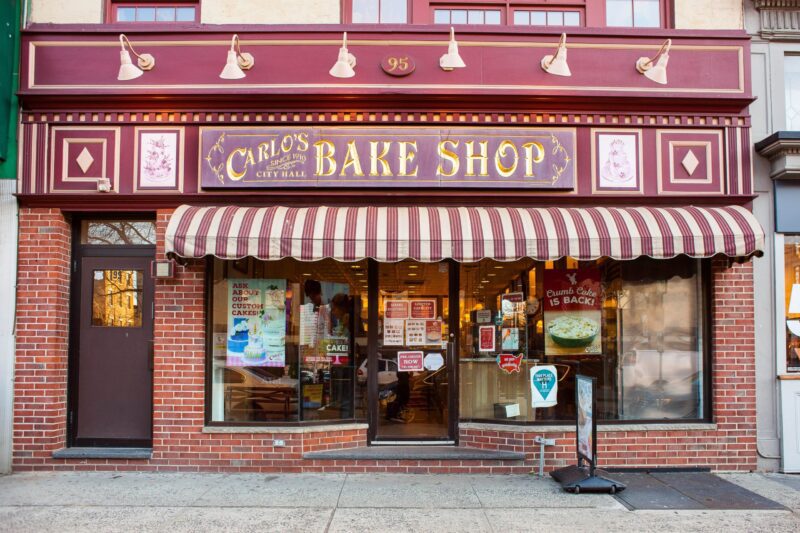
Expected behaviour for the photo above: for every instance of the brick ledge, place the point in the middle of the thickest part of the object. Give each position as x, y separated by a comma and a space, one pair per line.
604, 428
284, 429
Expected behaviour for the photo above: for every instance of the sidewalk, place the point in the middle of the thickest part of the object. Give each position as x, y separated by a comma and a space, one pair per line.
114, 501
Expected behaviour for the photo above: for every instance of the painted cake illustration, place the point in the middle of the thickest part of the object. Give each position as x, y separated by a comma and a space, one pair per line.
239, 337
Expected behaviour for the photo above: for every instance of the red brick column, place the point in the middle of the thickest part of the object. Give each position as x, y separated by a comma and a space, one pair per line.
42, 326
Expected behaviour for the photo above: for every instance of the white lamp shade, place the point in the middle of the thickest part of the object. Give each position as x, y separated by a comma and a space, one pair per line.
794, 300
343, 68
657, 72
232, 70
452, 59
557, 65
127, 70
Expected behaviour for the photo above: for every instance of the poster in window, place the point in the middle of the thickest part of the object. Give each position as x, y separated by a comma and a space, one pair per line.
395, 309
410, 362
433, 332
394, 332
509, 339
415, 332
256, 322
486, 339
584, 393
572, 307
423, 308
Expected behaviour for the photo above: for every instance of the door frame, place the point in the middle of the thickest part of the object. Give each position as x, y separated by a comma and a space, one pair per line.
79, 252
451, 356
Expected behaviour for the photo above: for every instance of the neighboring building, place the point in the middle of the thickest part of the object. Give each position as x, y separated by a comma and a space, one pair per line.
776, 126
9, 59
284, 261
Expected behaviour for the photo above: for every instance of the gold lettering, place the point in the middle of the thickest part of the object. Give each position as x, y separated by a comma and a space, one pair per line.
375, 158
302, 141
503, 170
406, 156
351, 160
447, 155
530, 159
263, 152
324, 152
286, 143
248, 159
483, 158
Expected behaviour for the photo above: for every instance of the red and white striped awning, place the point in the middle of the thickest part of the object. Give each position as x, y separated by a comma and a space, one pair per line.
462, 233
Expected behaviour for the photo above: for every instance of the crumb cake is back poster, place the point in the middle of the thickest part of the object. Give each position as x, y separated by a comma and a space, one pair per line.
572, 305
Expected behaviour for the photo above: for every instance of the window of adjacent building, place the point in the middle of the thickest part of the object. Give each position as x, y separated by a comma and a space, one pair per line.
380, 11
633, 13
154, 12
791, 77
467, 16
791, 265
645, 345
546, 18
115, 298
286, 339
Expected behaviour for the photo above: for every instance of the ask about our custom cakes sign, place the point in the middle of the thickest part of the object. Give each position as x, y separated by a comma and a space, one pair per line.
531, 158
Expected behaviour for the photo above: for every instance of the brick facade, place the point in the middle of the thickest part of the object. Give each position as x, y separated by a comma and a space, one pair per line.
180, 444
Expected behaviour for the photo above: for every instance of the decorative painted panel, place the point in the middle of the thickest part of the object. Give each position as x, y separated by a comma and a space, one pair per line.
689, 162
82, 156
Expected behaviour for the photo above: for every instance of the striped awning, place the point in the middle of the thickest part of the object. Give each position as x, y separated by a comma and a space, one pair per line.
462, 233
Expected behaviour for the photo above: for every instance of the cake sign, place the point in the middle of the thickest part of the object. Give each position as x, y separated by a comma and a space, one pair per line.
256, 322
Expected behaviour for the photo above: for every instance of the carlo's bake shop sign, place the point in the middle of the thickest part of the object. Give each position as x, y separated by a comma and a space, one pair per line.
528, 158
256, 322
572, 312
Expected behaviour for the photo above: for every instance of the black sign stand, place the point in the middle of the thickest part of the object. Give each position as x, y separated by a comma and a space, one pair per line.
585, 477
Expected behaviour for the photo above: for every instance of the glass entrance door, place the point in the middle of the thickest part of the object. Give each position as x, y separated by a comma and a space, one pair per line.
412, 353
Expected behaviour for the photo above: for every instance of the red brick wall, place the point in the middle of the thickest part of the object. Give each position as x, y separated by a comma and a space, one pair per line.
179, 382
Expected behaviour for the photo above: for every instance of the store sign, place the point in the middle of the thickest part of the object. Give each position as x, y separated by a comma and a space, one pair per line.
572, 312
526, 158
410, 362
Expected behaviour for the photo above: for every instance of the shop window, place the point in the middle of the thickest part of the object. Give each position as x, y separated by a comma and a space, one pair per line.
635, 325
791, 258
633, 13
286, 338
379, 11
187, 11
546, 18
791, 77
118, 232
467, 16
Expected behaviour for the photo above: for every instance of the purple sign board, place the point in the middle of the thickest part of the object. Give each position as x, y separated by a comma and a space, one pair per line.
252, 158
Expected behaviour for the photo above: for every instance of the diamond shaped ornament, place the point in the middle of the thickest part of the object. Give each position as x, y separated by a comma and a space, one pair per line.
84, 160
690, 162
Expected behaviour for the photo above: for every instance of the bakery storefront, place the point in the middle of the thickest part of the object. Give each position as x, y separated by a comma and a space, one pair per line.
298, 271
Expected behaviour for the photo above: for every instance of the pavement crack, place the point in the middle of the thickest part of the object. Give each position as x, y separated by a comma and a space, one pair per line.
483, 509
336, 505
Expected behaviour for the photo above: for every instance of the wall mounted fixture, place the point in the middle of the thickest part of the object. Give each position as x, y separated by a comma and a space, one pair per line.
237, 62
127, 70
452, 60
343, 68
656, 72
557, 63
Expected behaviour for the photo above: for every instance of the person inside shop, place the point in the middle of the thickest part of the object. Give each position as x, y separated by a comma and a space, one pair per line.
313, 290
397, 410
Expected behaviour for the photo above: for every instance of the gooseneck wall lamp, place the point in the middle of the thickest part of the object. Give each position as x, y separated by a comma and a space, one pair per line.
657, 71
452, 59
345, 63
127, 70
557, 63
237, 62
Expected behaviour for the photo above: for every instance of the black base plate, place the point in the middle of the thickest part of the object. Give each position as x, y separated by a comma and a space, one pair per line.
578, 479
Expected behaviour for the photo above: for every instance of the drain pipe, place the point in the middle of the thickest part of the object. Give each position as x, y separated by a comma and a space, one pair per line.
542, 442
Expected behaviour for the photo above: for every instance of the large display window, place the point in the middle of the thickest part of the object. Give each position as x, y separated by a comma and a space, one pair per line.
286, 339
791, 269
637, 326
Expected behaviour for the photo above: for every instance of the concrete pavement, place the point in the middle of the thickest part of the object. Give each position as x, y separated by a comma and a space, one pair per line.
115, 501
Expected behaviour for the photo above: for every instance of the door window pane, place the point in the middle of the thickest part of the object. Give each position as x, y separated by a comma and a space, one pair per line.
287, 337
116, 298
118, 232
791, 257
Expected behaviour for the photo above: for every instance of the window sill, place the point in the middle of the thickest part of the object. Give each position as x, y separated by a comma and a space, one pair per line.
347, 426
601, 428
